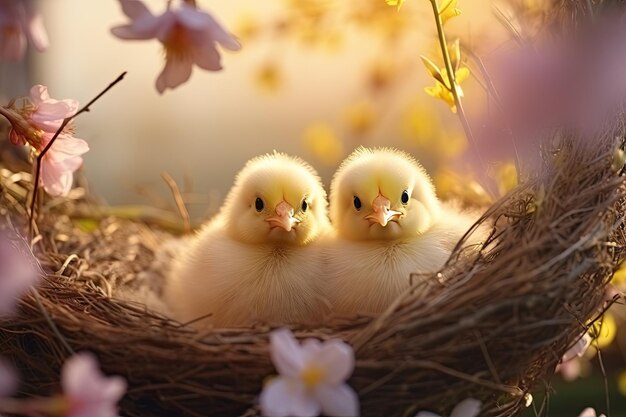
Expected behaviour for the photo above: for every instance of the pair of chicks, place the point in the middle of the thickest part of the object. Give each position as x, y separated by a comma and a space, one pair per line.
272, 255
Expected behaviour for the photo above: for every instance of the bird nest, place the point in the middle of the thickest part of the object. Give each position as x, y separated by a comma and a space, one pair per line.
491, 325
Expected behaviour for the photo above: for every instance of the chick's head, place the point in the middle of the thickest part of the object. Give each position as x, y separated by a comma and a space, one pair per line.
382, 194
278, 199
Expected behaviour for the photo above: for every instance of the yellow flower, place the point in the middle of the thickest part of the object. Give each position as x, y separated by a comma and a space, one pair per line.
443, 91
360, 117
395, 3
268, 77
448, 10
323, 143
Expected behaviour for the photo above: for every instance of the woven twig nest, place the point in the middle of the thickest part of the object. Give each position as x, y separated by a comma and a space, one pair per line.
490, 326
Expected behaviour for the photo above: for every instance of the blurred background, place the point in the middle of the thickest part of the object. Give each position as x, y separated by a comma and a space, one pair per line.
315, 78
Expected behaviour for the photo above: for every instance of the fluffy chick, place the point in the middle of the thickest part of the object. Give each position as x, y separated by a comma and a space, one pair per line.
259, 259
388, 224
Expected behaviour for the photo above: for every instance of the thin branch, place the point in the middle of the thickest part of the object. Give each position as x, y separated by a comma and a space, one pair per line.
45, 150
453, 89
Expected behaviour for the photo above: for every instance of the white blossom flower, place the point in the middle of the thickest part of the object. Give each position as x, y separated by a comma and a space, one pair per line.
312, 378
590, 412
469, 407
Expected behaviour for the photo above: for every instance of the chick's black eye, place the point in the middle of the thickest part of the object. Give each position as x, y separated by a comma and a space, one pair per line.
305, 205
259, 204
405, 197
357, 203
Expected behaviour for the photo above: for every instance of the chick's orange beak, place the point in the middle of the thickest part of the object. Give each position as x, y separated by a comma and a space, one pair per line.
283, 217
381, 212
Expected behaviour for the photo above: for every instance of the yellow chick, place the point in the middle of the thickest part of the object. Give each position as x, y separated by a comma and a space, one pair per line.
388, 224
259, 259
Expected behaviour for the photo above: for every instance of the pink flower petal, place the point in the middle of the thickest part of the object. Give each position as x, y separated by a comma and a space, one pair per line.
337, 359
131, 32
167, 23
144, 24
192, 18
49, 113
66, 146
174, 74
578, 349
207, 57
18, 272
338, 401
466, 408
570, 370
285, 353
37, 34
48, 116
222, 37
134, 8
310, 349
34, 27
55, 177
39, 94
69, 164
284, 397
91, 393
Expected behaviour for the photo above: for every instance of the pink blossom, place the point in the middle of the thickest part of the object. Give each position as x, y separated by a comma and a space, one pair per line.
188, 35
36, 124
570, 366
17, 272
578, 349
19, 22
570, 370
571, 82
89, 392
64, 157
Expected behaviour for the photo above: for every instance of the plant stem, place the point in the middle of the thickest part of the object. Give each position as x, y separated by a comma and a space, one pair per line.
452, 80
45, 150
